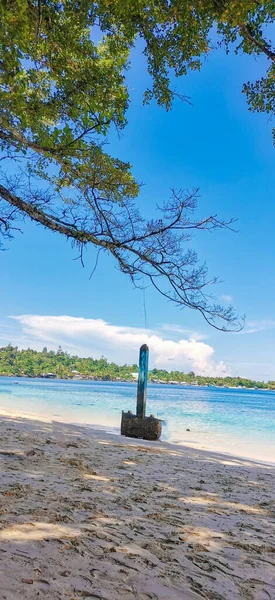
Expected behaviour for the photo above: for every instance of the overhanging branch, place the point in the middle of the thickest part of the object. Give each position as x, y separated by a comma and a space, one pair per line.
262, 45
155, 253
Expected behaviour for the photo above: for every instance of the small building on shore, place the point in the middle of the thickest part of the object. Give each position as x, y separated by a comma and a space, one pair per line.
49, 375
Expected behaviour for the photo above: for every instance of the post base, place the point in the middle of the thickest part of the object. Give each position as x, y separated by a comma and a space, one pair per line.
146, 428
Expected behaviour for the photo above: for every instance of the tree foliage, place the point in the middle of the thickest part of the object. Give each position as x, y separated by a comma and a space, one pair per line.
63, 89
31, 363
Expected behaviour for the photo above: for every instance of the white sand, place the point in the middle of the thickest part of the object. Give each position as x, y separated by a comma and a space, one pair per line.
260, 448
84, 514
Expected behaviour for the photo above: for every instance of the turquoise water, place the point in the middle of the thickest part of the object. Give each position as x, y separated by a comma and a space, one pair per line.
217, 418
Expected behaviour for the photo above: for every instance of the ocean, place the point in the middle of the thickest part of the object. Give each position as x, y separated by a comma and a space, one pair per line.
236, 422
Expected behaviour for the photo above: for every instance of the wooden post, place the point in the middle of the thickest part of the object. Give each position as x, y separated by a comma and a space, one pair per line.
142, 380
140, 426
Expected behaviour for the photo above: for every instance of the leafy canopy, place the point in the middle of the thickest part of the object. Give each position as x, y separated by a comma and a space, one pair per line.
62, 68
32, 363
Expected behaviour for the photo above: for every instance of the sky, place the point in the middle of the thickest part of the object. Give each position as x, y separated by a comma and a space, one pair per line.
216, 144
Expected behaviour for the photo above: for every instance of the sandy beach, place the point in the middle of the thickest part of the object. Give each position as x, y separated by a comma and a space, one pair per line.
85, 514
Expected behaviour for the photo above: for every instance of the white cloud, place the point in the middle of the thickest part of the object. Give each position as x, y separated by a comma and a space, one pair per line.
177, 330
93, 337
256, 326
226, 298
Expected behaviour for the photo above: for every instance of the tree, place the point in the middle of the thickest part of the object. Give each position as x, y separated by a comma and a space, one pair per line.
61, 93
33, 364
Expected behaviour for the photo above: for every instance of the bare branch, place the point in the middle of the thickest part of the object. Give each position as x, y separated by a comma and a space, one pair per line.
153, 250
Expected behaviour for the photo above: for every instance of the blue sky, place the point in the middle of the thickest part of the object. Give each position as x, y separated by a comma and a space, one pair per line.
215, 144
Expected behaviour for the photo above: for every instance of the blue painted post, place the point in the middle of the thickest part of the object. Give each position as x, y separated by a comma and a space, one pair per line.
142, 380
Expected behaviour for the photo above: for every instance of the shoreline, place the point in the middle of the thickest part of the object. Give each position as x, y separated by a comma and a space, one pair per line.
199, 445
89, 514
150, 382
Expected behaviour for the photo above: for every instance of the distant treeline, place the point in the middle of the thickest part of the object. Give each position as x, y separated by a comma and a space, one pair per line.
31, 363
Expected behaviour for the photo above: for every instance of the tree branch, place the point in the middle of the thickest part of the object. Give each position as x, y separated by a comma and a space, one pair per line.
261, 45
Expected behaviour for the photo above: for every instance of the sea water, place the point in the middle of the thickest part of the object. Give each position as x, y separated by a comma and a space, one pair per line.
234, 421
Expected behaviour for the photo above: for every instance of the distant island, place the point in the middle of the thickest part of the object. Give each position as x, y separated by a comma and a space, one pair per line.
61, 365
